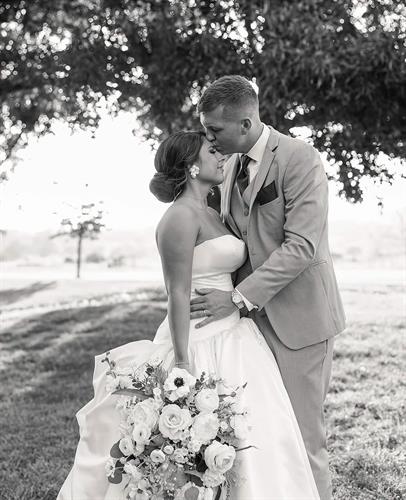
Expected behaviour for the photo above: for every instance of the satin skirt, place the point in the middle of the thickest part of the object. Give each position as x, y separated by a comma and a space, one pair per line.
235, 350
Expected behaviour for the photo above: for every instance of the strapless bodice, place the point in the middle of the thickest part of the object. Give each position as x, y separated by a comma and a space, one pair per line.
214, 260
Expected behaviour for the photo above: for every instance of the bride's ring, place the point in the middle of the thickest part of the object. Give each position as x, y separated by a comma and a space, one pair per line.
205, 312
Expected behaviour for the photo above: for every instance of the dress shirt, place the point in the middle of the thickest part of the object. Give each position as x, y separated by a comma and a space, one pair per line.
257, 151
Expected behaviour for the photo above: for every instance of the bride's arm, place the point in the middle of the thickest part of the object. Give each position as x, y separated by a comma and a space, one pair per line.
176, 238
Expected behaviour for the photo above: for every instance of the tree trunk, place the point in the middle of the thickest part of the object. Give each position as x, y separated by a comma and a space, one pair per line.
79, 256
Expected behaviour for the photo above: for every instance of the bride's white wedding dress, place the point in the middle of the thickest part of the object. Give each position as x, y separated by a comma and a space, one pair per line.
232, 348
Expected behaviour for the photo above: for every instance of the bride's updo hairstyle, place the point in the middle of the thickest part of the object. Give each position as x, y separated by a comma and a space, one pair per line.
175, 155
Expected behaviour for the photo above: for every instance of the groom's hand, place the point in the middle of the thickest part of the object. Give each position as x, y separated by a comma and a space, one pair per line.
211, 304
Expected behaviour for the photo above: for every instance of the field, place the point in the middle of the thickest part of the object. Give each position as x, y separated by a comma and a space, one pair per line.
47, 348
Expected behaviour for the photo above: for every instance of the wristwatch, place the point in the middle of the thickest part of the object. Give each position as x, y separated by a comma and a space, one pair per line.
237, 300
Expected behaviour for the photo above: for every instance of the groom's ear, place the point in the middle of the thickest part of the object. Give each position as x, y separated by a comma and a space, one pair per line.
246, 125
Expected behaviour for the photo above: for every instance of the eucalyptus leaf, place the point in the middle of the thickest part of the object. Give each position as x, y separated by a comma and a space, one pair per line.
117, 477
131, 392
115, 451
194, 473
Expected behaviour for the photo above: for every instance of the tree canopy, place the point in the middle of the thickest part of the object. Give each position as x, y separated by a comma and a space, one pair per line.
337, 67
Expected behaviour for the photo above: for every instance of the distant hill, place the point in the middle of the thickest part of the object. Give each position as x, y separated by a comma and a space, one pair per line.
110, 245
373, 243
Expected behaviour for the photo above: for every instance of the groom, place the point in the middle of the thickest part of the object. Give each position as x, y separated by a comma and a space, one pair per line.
275, 197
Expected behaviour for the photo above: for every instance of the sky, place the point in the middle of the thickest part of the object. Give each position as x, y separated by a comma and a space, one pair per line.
62, 170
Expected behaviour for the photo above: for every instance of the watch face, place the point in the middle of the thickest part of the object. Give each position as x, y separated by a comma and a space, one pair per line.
236, 298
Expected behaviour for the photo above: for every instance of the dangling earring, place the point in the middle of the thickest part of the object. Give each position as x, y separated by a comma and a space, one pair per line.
194, 171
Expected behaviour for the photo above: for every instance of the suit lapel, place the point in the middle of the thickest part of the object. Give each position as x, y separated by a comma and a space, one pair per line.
267, 159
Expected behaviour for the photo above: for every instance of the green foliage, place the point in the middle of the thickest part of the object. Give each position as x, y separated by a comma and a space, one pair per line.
336, 67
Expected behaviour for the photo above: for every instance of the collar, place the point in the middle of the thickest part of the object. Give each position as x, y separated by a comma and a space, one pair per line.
257, 151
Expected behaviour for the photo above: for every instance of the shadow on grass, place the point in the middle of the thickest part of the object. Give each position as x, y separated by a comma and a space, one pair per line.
51, 381
47, 375
13, 295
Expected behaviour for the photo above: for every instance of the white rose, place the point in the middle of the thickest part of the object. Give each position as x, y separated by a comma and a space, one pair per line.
239, 424
207, 400
141, 433
205, 427
157, 456
168, 449
212, 479
178, 383
126, 446
180, 455
144, 412
219, 457
173, 421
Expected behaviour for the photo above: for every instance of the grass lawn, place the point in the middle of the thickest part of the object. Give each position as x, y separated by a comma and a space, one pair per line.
46, 363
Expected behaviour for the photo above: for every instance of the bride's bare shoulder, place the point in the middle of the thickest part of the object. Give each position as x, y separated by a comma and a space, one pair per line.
178, 224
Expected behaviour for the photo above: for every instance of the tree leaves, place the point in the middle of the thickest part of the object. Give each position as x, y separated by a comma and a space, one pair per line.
336, 67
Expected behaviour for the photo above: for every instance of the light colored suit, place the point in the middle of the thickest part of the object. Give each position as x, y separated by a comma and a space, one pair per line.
289, 275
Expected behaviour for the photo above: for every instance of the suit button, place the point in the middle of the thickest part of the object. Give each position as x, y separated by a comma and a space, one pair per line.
246, 211
244, 233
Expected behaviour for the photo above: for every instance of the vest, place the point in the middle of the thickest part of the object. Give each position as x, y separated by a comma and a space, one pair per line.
239, 210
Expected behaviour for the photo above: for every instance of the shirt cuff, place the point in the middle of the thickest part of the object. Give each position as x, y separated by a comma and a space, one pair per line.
249, 305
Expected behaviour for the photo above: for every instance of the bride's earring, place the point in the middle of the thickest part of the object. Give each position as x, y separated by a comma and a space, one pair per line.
194, 171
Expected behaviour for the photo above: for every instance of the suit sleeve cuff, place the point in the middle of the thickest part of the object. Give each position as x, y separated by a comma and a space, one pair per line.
249, 305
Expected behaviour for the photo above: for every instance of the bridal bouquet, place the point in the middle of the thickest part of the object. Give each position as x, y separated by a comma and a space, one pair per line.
179, 436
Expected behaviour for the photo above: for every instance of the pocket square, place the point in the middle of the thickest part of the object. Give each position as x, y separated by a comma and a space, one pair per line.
267, 193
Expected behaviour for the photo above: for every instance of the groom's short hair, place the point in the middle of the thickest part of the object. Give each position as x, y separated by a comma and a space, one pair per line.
230, 91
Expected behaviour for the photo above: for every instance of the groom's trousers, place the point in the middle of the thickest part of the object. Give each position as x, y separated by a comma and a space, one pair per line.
306, 375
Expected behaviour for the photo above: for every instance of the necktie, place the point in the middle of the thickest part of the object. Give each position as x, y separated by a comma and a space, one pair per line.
243, 174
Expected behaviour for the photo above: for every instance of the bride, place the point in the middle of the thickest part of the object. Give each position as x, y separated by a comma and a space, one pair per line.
198, 251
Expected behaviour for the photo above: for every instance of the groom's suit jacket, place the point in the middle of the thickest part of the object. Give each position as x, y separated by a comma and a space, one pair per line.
282, 217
